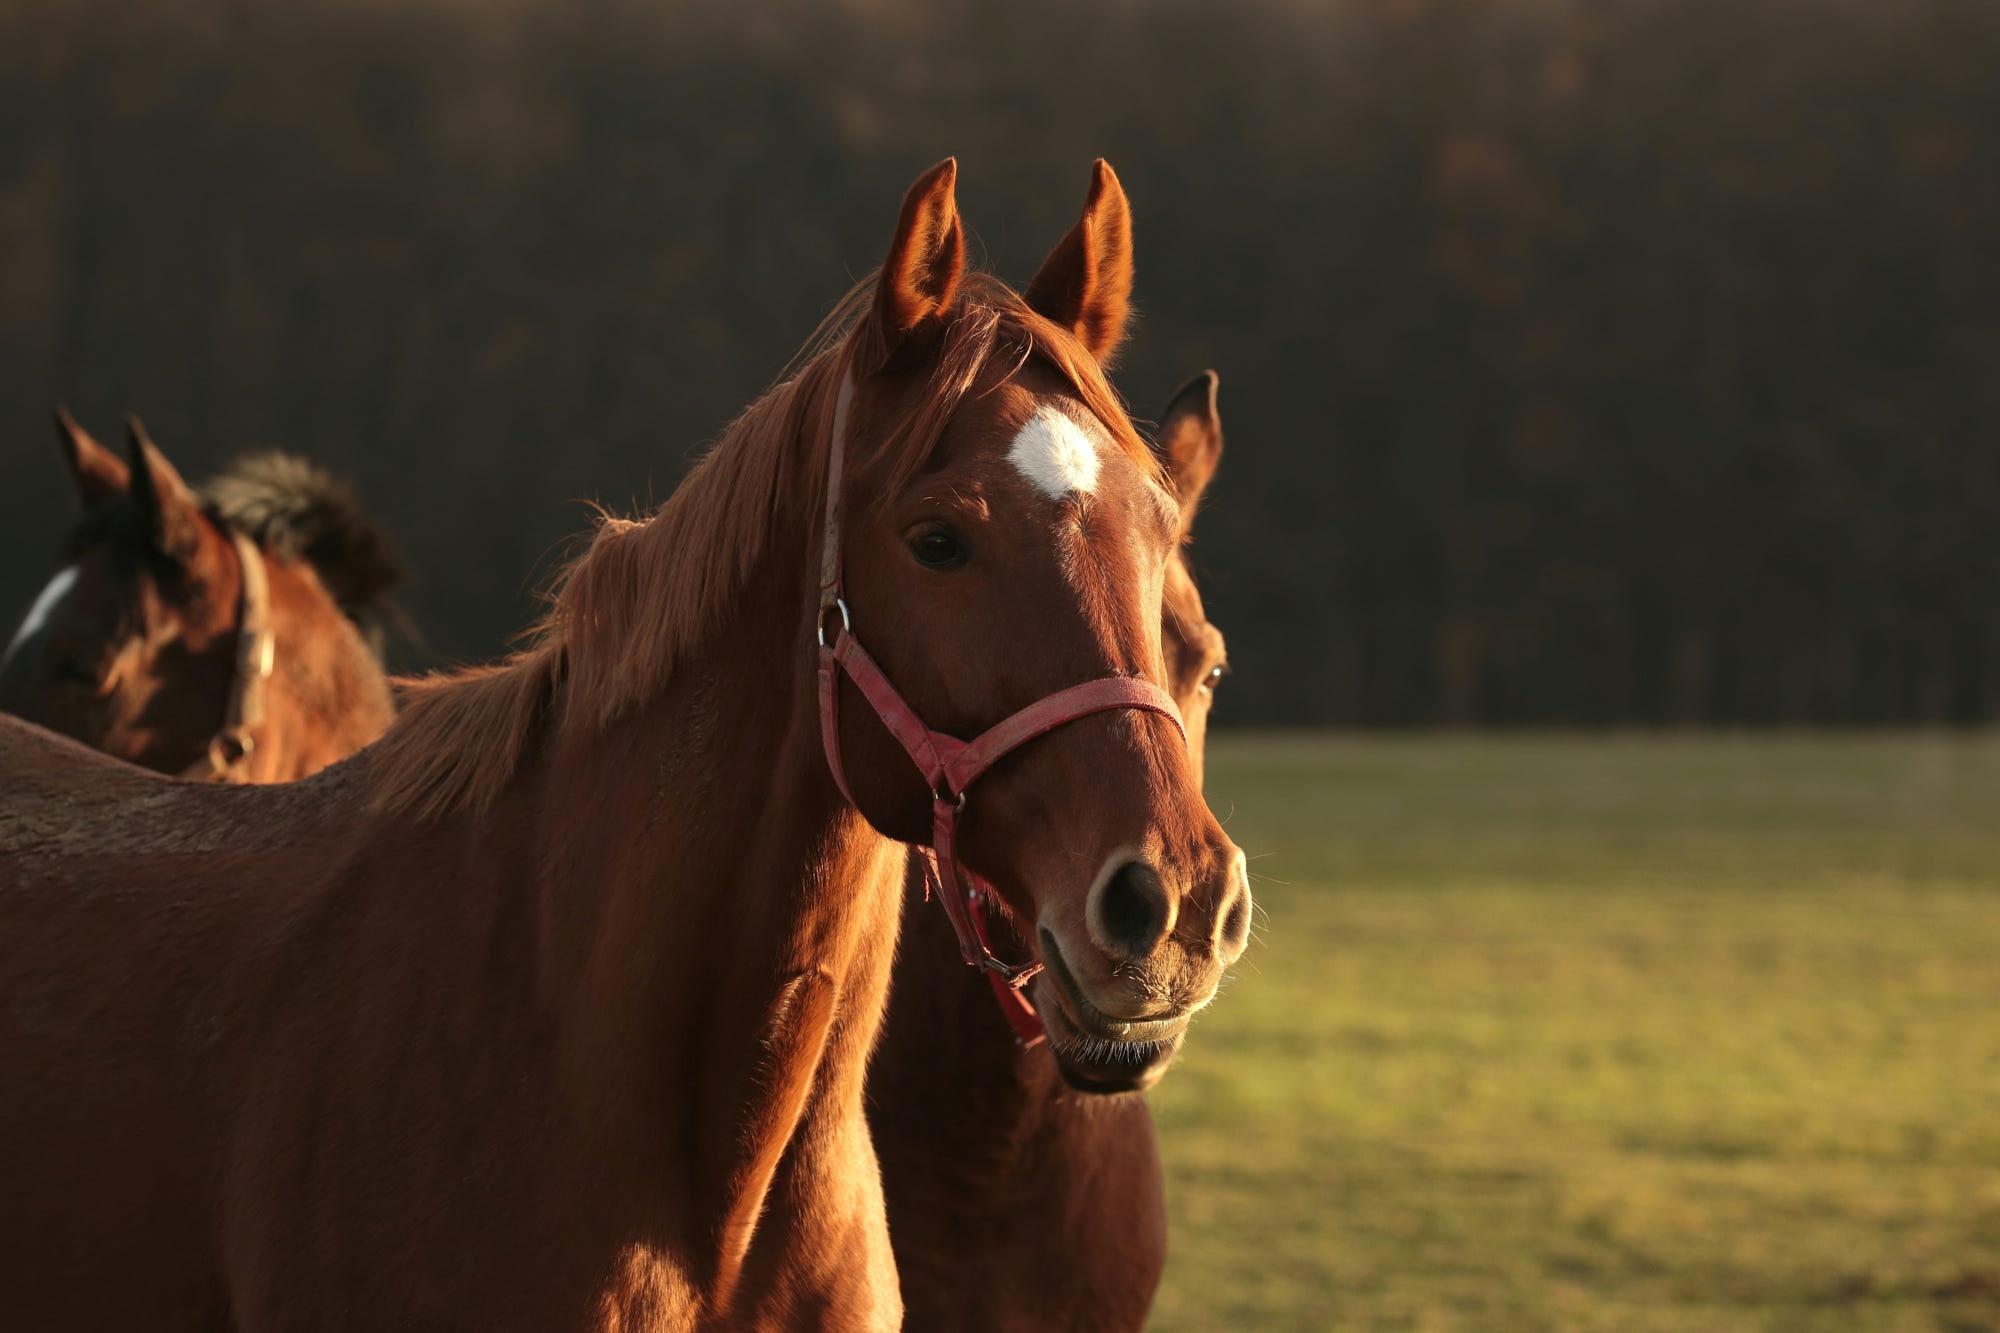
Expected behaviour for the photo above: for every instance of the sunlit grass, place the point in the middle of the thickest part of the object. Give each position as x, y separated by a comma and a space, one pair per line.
1585, 1033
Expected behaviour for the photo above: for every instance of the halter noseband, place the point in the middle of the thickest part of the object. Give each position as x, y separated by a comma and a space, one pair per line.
950, 766
229, 750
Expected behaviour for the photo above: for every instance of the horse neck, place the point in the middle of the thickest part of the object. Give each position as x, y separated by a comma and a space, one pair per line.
717, 921
327, 695
948, 1062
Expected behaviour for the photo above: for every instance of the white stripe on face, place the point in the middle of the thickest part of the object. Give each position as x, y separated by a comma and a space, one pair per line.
1056, 454
44, 607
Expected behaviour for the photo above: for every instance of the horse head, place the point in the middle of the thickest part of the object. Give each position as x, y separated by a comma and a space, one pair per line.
182, 644
1007, 538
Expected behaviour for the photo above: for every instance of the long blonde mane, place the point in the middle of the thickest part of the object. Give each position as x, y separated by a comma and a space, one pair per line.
644, 594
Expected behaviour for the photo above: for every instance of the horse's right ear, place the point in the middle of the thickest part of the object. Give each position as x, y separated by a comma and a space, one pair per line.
926, 260
169, 517
1191, 441
98, 473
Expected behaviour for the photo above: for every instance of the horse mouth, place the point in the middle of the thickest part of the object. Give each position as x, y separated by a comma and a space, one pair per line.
1095, 1052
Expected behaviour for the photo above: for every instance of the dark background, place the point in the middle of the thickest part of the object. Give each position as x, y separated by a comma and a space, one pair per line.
1620, 361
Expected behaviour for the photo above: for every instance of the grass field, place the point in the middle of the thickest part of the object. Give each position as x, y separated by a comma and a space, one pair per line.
1631, 1033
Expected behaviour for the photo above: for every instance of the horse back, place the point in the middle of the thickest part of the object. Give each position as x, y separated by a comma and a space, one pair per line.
117, 911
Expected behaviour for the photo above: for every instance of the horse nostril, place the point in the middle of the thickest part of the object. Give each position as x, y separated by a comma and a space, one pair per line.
1132, 910
1234, 935
1236, 925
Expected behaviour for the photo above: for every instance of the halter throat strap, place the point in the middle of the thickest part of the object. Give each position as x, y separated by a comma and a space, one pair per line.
227, 758
949, 765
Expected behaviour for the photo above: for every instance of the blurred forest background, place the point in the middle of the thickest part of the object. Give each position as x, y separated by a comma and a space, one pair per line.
1584, 362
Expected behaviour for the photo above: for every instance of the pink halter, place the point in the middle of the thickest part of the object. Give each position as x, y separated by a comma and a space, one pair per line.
950, 766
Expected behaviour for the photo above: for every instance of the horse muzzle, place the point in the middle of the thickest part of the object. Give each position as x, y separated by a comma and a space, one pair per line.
1096, 1051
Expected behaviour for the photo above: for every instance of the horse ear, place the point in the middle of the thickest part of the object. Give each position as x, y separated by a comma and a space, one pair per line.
1085, 284
169, 517
1191, 441
926, 259
98, 473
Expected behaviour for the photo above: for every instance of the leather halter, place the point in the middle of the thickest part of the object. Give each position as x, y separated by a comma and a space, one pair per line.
228, 755
949, 765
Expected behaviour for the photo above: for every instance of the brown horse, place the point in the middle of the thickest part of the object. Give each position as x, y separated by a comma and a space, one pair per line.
212, 635
552, 1009
1015, 1201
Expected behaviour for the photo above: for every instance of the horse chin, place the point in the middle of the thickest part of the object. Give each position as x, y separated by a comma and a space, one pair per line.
1088, 1068
1096, 1061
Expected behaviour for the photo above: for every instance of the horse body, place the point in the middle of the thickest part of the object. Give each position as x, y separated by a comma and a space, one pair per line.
551, 1009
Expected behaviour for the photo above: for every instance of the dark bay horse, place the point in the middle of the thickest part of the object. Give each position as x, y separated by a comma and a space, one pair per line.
1017, 1202
212, 634
551, 1009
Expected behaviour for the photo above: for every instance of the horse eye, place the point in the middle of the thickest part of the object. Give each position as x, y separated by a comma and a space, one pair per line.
939, 548
1214, 677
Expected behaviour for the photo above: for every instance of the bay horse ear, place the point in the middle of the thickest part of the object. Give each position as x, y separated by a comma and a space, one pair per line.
1191, 441
1085, 284
926, 260
99, 474
169, 517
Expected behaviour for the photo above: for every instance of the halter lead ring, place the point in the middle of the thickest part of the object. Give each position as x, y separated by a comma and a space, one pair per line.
949, 765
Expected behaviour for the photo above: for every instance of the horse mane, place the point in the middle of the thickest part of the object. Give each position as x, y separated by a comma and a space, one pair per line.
645, 593
299, 511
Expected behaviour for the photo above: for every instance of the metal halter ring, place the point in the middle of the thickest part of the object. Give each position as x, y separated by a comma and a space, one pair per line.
230, 747
846, 625
957, 804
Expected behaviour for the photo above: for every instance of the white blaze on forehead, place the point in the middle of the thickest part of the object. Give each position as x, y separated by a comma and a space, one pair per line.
44, 607
1056, 454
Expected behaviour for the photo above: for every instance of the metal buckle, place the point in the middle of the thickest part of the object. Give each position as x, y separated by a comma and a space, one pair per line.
846, 625
1015, 975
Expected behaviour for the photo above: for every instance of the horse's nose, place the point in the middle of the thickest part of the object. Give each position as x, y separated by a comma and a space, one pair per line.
1130, 913
1232, 915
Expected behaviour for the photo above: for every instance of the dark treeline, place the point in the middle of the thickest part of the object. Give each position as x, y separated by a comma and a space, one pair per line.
1607, 361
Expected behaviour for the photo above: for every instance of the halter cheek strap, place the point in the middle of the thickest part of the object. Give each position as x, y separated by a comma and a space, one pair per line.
949, 765
228, 755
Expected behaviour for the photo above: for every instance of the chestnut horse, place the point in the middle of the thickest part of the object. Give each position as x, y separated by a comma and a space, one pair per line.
212, 635
551, 1009
1017, 1202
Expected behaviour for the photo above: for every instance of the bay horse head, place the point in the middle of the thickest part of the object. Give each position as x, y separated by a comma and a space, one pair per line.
1021, 546
183, 634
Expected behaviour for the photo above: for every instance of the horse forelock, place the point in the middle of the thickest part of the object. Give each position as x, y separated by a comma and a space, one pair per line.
645, 593
992, 322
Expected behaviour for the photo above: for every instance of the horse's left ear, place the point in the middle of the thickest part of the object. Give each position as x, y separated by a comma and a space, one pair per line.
1085, 284
169, 517
1191, 441
99, 474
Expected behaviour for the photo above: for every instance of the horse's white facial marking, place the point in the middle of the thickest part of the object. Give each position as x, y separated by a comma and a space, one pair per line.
1056, 454
44, 607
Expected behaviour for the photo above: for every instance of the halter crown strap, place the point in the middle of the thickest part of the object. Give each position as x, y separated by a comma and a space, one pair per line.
949, 765
836, 471
229, 750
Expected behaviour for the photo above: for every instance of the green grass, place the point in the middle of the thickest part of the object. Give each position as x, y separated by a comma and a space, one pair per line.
1628, 1033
